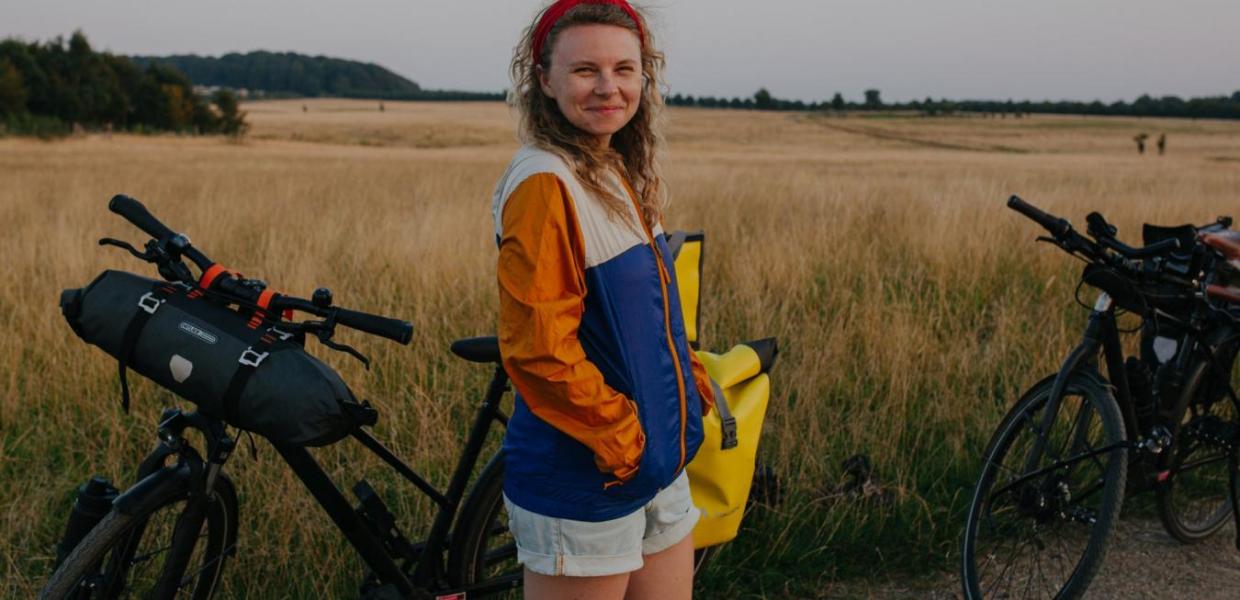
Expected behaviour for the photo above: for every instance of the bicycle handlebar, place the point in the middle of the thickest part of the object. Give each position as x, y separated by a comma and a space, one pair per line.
396, 330
1063, 232
133, 211
1057, 226
136, 213
1155, 249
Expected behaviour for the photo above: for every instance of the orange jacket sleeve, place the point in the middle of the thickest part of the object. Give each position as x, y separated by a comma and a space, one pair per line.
542, 289
704, 387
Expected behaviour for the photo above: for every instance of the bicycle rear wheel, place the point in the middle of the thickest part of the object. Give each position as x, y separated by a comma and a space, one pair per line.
1193, 500
156, 553
1040, 530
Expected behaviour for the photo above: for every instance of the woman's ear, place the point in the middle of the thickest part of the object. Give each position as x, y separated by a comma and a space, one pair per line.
543, 81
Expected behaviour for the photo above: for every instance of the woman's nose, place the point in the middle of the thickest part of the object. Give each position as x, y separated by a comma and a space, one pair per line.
605, 84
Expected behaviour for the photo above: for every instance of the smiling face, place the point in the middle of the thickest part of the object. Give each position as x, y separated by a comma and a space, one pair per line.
595, 78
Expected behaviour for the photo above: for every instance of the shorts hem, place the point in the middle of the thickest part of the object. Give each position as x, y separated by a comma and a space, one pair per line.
567, 565
672, 535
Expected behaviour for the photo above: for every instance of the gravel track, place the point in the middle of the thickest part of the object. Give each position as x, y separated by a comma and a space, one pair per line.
1142, 562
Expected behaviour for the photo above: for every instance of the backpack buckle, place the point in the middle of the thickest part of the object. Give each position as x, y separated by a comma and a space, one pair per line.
250, 358
280, 333
728, 429
149, 302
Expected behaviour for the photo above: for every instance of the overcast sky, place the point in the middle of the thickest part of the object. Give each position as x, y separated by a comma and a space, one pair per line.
807, 49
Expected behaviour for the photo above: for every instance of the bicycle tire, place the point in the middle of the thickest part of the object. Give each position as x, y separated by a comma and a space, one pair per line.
1046, 502
103, 563
1193, 502
482, 547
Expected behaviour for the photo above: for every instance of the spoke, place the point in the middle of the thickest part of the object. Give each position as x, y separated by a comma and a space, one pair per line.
1091, 490
1056, 466
1201, 463
145, 557
500, 554
189, 576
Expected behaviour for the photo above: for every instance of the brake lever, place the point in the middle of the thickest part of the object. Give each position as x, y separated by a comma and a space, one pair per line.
325, 339
147, 256
326, 328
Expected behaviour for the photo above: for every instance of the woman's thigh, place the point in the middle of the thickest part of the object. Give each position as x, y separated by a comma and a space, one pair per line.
664, 575
563, 587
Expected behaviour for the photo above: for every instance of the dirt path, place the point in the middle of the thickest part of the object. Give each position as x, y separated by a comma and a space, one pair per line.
1143, 562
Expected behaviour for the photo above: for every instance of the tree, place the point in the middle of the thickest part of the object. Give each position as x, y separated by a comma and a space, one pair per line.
837, 102
872, 99
231, 119
12, 89
762, 100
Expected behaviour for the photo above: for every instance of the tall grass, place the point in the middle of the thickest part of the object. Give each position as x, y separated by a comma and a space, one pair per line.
910, 306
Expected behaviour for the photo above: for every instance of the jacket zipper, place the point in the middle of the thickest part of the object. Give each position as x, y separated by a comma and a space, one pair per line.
664, 279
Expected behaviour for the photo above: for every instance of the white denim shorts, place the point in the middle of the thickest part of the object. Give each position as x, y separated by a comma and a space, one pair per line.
551, 546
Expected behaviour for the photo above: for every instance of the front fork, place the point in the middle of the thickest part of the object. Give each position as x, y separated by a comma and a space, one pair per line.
1100, 334
199, 479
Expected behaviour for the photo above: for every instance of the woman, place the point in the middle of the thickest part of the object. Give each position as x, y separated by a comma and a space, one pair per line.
610, 398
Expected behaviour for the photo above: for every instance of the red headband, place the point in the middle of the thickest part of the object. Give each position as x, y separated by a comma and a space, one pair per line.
557, 10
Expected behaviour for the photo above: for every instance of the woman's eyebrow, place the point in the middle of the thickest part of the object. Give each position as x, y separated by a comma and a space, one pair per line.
590, 63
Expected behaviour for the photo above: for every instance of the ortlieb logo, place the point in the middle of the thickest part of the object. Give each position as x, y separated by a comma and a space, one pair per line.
198, 333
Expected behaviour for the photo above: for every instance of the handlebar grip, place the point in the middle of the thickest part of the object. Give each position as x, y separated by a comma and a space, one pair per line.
1052, 224
136, 213
392, 329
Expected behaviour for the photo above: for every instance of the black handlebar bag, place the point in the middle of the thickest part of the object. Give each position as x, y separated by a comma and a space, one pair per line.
233, 365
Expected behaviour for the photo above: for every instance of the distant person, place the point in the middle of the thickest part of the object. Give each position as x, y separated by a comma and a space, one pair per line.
1162, 144
304, 108
380, 107
1140, 140
610, 397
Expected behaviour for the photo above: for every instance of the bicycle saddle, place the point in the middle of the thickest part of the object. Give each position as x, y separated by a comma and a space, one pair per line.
478, 349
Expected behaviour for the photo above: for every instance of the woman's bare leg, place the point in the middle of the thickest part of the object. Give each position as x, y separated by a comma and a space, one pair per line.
667, 575
547, 587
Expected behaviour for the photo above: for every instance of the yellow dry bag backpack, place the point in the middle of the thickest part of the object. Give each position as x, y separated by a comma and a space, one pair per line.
722, 473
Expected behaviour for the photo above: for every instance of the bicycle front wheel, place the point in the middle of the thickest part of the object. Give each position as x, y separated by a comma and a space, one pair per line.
162, 552
1193, 500
1039, 528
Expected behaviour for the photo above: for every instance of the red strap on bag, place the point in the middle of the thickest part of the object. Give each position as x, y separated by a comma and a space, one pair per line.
210, 275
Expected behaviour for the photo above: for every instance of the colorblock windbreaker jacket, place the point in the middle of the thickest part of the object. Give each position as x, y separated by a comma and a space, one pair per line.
609, 396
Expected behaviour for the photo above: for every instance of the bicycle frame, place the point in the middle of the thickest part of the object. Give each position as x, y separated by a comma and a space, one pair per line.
380, 548
1102, 333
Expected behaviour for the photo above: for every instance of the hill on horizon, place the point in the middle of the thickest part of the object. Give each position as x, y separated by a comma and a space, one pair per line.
291, 73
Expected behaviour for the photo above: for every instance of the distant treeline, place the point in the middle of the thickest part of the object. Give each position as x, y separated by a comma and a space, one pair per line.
49, 88
288, 74
1211, 107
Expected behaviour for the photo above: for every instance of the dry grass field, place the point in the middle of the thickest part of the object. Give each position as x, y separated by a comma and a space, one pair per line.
910, 305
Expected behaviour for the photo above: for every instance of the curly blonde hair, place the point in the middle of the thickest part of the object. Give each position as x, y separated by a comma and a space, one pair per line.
634, 149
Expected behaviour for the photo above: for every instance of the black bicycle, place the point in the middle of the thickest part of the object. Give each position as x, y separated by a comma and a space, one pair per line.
1057, 469
171, 533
